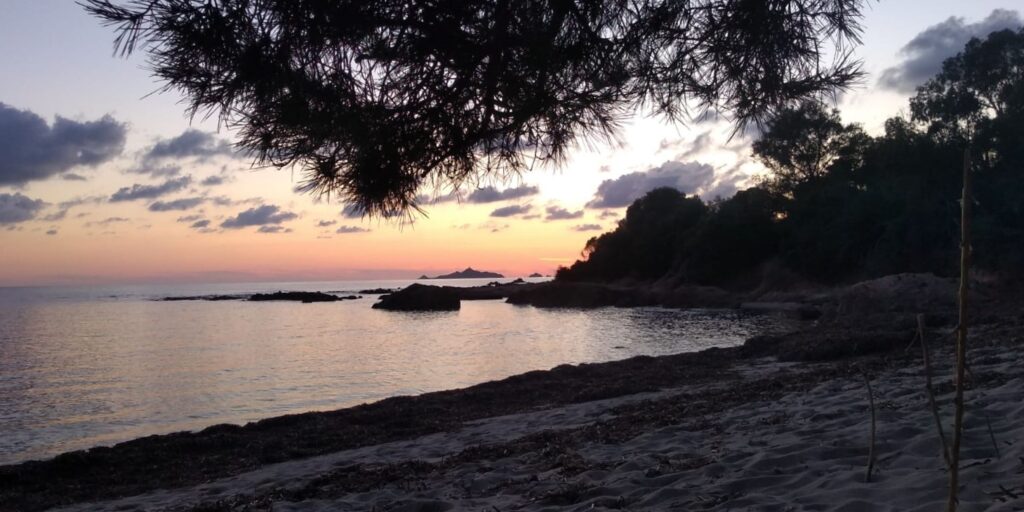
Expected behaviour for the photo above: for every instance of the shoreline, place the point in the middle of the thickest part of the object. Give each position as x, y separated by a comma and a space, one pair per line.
716, 377
188, 458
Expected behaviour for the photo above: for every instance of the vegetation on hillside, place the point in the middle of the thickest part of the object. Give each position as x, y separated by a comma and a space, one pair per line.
839, 204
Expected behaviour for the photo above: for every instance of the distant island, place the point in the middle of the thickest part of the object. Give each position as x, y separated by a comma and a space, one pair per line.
469, 273
535, 274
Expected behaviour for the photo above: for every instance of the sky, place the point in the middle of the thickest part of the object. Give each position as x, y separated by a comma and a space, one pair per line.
105, 180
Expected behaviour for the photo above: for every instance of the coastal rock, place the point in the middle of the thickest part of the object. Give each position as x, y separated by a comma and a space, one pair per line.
379, 291
420, 297
570, 295
903, 293
304, 297
535, 274
555, 294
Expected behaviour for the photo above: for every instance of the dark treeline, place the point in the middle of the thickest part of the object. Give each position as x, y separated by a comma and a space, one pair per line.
839, 204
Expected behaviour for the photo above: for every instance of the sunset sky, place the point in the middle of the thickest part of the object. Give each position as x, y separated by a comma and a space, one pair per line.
101, 182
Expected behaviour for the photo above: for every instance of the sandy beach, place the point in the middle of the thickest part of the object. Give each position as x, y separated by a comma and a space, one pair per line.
760, 428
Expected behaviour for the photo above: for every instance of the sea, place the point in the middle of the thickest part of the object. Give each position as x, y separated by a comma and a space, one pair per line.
93, 366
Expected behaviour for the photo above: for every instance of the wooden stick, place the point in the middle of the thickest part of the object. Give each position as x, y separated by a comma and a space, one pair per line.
871, 445
931, 393
961, 335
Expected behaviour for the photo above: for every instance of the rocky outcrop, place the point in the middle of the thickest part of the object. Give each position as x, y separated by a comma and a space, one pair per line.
469, 273
557, 294
304, 297
898, 293
420, 297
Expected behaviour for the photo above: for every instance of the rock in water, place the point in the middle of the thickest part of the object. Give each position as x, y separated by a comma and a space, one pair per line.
304, 297
420, 297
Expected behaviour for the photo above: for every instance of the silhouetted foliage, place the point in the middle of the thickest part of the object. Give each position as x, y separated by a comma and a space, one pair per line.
841, 205
803, 143
375, 99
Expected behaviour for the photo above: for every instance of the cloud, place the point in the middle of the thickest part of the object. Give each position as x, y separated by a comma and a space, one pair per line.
491, 194
432, 199
108, 221
51, 232
72, 177
258, 216
924, 54
608, 214
156, 171
191, 143
137, 191
559, 213
698, 145
587, 227
326, 223
212, 181
344, 230
200, 224
31, 149
79, 201
189, 218
177, 205
273, 228
16, 208
512, 210
493, 226
687, 177
724, 188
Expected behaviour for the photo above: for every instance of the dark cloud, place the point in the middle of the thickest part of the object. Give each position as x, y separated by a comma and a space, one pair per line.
177, 205
532, 216
273, 228
137, 191
51, 232
31, 149
344, 230
258, 216
698, 145
190, 218
437, 199
16, 208
491, 194
191, 143
509, 211
72, 177
326, 223
56, 216
587, 227
687, 177
211, 181
608, 214
79, 201
723, 188
559, 213
200, 224
108, 221
924, 54
727, 183
156, 170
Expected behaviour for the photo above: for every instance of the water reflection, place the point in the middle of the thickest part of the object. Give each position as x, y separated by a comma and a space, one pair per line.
77, 372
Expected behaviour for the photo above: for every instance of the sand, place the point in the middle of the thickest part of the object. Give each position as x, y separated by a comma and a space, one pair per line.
800, 444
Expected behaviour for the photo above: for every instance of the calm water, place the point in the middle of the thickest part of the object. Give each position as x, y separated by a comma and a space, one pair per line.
81, 367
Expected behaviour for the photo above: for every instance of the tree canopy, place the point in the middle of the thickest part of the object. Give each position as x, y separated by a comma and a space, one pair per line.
840, 205
376, 99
